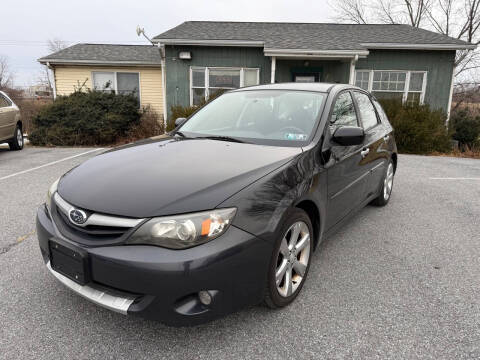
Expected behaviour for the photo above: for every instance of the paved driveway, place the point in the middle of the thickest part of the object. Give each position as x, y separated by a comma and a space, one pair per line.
397, 282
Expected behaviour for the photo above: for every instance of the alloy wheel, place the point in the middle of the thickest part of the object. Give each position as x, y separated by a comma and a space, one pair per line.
293, 258
388, 182
19, 137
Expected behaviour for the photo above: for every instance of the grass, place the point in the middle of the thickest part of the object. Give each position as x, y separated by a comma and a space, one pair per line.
467, 152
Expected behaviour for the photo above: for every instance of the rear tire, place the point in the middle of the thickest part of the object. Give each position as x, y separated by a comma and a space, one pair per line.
290, 260
17, 142
386, 186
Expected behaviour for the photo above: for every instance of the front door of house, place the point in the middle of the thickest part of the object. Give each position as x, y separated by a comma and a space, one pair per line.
306, 75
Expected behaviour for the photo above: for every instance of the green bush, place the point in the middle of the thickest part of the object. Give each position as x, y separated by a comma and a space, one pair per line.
418, 129
465, 127
85, 118
178, 111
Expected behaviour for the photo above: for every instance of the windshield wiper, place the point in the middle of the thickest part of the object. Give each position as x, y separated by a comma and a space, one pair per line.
222, 138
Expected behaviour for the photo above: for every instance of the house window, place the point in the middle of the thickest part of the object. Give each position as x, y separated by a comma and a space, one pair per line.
407, 86
361, 79
117, 82
205, 81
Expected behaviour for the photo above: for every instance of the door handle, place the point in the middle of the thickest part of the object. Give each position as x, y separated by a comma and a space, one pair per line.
386, 137
364, 152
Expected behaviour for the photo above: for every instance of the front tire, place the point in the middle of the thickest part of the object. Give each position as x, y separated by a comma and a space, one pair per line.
290, 260
386, 186
17, 142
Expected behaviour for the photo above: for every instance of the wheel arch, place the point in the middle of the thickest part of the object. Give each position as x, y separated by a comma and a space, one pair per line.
313, 213
394, 159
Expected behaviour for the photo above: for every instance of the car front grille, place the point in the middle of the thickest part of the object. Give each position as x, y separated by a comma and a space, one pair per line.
99, 229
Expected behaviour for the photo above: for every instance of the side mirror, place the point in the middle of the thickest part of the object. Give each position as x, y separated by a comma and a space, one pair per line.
180, 121
349, 135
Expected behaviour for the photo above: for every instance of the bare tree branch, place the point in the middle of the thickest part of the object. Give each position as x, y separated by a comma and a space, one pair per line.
56, 44
353, 11
6, 75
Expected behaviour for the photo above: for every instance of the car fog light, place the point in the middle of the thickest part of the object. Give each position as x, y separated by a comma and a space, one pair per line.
205, 297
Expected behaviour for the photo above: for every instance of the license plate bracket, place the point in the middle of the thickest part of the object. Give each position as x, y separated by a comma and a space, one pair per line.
70, 261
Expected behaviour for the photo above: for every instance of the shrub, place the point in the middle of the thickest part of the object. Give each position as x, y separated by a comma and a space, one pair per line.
465, 127
179, 111
150, 125
85, 118
418, 129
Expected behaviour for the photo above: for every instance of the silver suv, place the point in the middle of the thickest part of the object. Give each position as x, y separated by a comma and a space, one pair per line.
10, 125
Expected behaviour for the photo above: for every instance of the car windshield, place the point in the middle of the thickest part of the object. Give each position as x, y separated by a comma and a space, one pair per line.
276, 117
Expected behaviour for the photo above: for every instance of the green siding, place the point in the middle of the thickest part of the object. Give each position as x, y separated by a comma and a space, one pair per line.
178, 71
438, 64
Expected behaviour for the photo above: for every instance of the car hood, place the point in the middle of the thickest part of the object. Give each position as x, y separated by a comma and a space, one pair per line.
169, 175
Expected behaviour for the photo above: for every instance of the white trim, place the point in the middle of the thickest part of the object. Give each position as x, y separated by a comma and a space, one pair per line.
307, 53
273, 69
407, 46
54, 87
450, 96
258, 43
406, 89
98, 62
207, 87
164, 96
351, 78
115, 88
246, 43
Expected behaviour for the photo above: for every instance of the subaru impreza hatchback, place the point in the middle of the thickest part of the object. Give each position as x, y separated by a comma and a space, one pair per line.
225, 211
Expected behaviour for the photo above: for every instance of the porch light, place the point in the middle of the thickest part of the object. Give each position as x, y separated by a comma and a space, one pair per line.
185, 55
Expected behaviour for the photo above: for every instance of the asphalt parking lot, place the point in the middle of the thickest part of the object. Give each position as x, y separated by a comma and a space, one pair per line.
397, 282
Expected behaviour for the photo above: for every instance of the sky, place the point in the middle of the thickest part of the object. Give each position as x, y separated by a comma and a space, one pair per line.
115, 21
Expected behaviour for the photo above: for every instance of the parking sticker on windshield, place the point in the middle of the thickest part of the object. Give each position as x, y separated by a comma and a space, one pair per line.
292, 136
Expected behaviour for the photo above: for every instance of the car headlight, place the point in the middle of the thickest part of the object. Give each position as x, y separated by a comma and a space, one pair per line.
183, 231
52, 190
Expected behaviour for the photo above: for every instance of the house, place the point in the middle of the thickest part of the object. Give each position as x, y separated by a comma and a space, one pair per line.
393, 61
202, 57
117, 68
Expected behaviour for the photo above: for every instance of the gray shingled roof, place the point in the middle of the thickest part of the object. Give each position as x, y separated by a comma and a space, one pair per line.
106, 53
312, 36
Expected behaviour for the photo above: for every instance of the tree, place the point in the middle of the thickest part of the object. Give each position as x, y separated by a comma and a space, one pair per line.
54, 45
6, 75
459, 19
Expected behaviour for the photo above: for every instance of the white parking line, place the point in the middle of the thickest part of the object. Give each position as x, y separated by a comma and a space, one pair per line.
453, 178
48, 164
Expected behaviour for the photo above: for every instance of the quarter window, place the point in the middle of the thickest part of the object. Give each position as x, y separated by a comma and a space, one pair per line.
117, 82
206, 81
343, 112
367, 111
406, 86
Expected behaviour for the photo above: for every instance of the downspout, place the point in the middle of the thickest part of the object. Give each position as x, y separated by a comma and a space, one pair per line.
54, 87
450, 97
164, 92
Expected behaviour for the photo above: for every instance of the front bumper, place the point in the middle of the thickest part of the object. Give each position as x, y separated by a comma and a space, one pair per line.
163, 284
